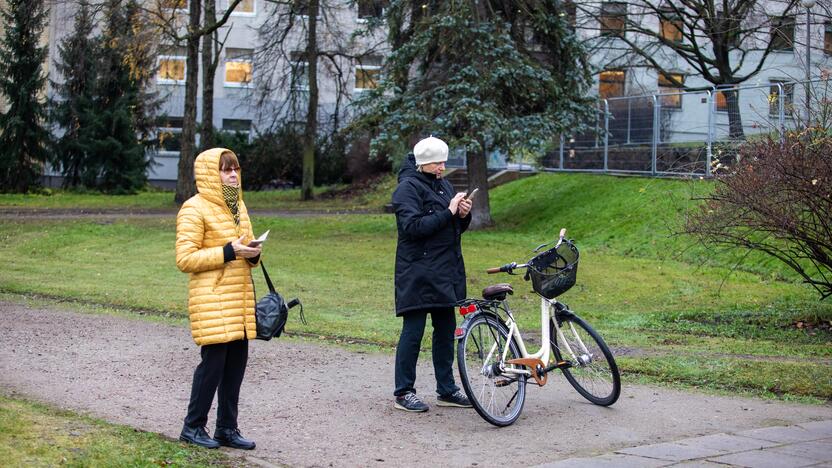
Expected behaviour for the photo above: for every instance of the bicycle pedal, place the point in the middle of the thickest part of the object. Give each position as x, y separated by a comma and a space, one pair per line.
564, 365
502, 383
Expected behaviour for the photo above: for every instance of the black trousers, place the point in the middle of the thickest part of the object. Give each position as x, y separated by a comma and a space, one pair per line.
407, 353
221, 371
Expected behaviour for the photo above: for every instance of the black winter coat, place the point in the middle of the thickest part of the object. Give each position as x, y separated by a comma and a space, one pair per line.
430, 271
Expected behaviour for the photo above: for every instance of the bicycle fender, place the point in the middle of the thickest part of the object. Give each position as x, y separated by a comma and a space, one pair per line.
462, 329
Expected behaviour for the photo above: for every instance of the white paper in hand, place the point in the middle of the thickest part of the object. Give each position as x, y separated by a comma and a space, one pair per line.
259, 240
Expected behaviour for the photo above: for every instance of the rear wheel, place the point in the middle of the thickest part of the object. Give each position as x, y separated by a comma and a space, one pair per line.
593, 372
498, 396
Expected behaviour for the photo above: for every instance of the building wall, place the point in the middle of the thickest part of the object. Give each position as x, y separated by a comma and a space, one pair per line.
690, 119
236, 103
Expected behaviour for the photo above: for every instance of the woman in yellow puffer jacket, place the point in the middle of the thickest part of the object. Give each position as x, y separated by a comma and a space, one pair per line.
212, 230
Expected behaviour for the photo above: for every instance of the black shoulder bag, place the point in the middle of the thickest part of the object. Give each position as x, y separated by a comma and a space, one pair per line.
272, 311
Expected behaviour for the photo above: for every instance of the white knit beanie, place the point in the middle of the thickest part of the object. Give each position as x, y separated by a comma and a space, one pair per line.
430, 150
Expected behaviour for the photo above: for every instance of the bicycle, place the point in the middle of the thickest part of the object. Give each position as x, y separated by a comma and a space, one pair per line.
494, 365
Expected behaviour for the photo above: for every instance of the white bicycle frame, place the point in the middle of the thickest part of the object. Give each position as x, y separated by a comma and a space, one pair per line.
547, 315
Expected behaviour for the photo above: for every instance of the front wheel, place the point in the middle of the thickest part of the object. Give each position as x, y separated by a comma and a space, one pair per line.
496, 392
593, 371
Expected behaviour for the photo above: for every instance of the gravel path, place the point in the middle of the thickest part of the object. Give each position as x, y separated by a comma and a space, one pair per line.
313, 405
110, 214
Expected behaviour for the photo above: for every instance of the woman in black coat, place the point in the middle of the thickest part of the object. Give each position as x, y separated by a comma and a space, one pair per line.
430, 272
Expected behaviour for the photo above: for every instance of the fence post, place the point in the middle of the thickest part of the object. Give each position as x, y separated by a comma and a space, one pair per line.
561, 151
654, 149
606, 134
709, 143
629, 117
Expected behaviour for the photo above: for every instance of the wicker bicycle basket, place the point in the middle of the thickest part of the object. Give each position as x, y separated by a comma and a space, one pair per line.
554, 271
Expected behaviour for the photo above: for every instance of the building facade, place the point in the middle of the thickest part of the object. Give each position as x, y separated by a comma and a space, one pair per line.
246, 70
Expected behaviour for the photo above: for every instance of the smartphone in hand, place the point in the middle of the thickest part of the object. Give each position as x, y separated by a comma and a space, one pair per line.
470, 196
259, 241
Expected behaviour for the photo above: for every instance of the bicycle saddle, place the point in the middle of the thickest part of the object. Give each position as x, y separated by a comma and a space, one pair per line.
497, 292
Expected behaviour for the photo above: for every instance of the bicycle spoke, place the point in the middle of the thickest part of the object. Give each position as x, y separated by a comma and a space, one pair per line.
497, 397
591, 372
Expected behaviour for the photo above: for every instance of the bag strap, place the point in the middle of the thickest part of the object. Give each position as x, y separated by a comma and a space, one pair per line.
266, 275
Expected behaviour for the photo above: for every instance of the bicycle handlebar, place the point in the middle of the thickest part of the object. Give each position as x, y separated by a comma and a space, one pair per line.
509, 267
561, 237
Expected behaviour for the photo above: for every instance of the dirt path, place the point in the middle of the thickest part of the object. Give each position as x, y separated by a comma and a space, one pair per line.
312, 405
28, 214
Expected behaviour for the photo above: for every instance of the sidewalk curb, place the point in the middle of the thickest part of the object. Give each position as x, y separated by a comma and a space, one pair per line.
804, 444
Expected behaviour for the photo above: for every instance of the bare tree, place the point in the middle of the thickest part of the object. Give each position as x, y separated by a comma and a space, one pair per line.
167, 16
298, 39
726, 42
211, 51
776, 200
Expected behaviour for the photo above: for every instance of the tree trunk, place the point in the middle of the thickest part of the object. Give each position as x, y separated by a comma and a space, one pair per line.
735, 130
311, 131
478, 178
209, 71
185, 186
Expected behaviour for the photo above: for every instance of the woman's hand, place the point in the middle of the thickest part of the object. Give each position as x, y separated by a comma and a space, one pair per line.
244, 251
465, 207
454, 206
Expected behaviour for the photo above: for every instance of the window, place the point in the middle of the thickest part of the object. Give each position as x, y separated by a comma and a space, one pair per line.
782, 32
300, 75
370, 9
241, 126
171, 66
721, 101
301, 8
367, 73
668, 84
169, 132
611, 83
613, 19
827, 38
671, 26
774, 94
244, 8
173, 4
238, 67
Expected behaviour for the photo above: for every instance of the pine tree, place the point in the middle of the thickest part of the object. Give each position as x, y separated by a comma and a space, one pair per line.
74, 109
23, 136
117, 159
481, 74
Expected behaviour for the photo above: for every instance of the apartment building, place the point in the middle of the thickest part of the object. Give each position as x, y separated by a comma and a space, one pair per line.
602, 25
609, 29
238, 106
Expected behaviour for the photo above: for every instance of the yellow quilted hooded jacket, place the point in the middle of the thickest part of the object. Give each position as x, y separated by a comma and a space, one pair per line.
221, 296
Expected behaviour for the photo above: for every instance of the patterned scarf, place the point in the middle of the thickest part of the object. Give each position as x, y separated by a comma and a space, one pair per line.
232, 199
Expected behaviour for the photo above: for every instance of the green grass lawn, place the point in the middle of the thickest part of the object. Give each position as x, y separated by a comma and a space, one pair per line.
671, 316
32, 434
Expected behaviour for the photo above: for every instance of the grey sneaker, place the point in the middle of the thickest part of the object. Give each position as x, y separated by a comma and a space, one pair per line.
456, 399
410, 402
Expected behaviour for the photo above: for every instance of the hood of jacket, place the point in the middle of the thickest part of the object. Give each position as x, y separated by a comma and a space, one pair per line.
408, 168
207, 175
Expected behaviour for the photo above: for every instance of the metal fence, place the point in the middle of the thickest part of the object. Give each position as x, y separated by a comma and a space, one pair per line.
684, 133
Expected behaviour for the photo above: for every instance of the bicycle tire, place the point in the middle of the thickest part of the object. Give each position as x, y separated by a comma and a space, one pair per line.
482, 389
583, 376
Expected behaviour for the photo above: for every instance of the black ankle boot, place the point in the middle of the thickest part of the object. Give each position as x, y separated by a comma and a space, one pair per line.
232, 438
198, 436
